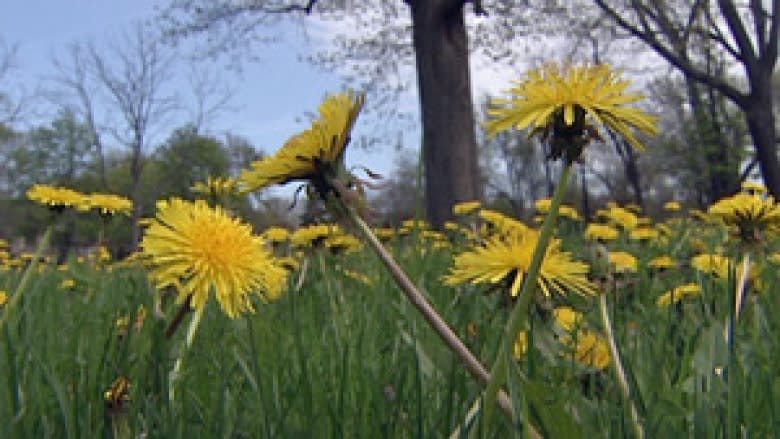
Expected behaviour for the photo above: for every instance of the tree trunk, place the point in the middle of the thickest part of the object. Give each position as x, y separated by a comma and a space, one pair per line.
761, 124
449, 141
136, 166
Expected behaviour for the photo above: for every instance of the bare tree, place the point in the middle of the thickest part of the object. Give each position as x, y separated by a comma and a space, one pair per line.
10, 105
744, 33
74, 79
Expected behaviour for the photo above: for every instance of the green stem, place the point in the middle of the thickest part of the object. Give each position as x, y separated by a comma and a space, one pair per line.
43, 245
519, 316
619, 370
176, 372
731, 371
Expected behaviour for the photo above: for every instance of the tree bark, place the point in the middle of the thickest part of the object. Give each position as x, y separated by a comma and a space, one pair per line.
761, 125
444, 84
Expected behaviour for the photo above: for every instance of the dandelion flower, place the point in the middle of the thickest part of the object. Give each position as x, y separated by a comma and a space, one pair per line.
716, 265
215, 187
554, 94
501, 223
276, 235
753, 188
672, 206
592, 350
644, 234
752, 215
466, 207
108, 204
198, 248
308, 154
56, 197
601, 232
677, 294
3, 297
567, 317
662, 262
502, 256
623, 261
311, 236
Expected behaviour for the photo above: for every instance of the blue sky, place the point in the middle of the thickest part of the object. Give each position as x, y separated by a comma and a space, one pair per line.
271, 94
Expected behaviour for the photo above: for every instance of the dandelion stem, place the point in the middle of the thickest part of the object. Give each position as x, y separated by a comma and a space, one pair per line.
519, 316
176, 372
619, 370
43, 245
472, 364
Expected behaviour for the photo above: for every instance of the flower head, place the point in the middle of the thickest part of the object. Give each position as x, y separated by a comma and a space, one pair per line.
197, 248
466, 207
560, 98
502, 256
215, 187
601, 232
623, 262
311, 153
108, 204
751, 215
56, 197
677, 294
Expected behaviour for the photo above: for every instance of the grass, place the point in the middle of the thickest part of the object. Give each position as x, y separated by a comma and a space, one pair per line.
339, 358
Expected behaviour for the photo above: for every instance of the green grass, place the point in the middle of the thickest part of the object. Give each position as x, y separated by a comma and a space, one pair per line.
338, 358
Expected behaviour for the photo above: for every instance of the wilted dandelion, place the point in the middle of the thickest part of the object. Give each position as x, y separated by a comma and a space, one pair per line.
198, 249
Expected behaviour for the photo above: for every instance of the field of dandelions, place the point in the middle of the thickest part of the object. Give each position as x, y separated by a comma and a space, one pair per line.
617, 326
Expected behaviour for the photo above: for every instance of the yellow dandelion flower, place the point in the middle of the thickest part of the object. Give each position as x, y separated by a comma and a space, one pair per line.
592, 350
662, 262
753, 188
3, 297
543, 205
672, 206
567, 317
774, 258
198, 248
343, 243
644, 234
623, 218
276, 235
411, 225
3, 244
633, 208
311, 236
623, 262
502, 224
502, 256
752, 215
308, 154
569, 212
677, 294
56, 197
215, 187
716, 265
601, 232
108, 204
466, 207
67, 284
571, 93
384, 234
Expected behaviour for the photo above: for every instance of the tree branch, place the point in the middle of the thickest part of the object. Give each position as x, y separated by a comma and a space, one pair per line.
671, 56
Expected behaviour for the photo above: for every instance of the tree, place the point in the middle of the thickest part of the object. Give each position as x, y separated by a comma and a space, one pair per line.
129, 78
441, 51
187, 158
745, 34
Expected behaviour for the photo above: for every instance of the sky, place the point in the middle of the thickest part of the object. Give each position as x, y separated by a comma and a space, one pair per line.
271, 95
